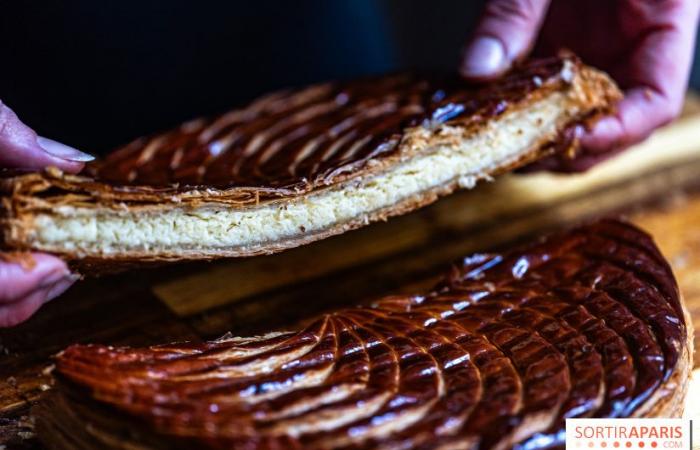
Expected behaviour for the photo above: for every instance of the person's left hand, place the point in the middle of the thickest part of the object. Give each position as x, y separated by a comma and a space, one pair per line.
25, 287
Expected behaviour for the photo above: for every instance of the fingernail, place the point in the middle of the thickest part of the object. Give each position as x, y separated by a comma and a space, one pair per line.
485, 56
60, 286
53, 277
62, 151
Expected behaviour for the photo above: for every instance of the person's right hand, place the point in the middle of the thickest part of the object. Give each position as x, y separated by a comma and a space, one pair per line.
23, 290
646, 45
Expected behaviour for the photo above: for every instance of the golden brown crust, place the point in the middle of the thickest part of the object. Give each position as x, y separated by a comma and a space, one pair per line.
24, 259
587, 323
26, 195
669, 399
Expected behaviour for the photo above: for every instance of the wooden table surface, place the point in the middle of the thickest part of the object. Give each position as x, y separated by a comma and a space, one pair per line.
656, 186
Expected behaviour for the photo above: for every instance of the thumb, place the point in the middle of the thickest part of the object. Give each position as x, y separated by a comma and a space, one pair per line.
21, 148
506, 32
23, 290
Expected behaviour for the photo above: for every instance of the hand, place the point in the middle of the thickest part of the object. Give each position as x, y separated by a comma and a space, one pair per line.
645, 45
23, 290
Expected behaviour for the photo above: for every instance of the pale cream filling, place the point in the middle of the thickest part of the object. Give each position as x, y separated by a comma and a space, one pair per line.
217, 228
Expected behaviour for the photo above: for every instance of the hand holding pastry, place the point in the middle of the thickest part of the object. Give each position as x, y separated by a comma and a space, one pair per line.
646, 46
24, 288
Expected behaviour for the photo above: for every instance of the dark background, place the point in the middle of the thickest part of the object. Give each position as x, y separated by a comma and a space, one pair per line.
95, 74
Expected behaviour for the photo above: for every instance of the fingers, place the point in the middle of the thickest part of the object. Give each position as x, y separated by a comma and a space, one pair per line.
21, 148
506, 32
655, 74
638, 114
23, 291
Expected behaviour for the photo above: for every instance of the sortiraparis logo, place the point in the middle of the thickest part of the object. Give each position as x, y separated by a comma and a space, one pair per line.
629, 434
